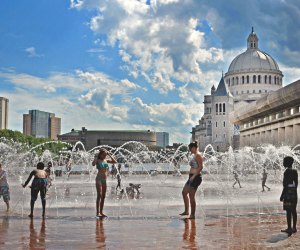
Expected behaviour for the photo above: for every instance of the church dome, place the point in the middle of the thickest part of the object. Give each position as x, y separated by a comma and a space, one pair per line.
253, 73
253, 60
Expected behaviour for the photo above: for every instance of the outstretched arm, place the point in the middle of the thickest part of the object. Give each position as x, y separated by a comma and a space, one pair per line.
29, 178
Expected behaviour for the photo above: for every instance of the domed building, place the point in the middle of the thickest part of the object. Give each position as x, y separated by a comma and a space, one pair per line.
253, 73
250, 76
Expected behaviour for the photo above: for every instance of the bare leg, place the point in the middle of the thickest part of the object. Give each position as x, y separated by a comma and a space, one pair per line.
31, 208
98, 188
185, 192
192, 193
103, 195
7, 206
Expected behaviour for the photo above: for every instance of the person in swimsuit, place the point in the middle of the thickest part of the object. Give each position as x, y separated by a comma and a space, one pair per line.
39, 185
102, 165
194, 181
289, 195
4, 188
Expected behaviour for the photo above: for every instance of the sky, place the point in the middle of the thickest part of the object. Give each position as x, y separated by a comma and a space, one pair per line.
129, 64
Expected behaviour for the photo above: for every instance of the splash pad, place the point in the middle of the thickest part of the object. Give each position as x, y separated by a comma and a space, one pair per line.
162, 174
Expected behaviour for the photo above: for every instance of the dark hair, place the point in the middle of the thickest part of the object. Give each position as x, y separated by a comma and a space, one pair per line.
288, 162
40, 166
101, 151
193, 144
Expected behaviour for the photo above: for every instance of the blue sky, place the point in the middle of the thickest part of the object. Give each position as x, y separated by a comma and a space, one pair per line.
133, 64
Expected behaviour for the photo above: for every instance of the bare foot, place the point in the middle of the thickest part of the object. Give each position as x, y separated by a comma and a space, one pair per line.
184, 213
30, 215
191, 217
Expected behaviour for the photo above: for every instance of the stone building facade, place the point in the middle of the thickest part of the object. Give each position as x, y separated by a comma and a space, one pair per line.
251, 76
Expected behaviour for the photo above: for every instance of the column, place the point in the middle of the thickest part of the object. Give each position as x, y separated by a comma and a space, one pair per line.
281, 135
274, 137
288, 135
296, 134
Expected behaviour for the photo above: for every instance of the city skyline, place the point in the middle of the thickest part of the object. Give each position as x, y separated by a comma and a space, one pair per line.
133, 69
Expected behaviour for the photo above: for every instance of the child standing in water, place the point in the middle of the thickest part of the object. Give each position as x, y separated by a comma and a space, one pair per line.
289, 195
39, 185
102, 165
4, 188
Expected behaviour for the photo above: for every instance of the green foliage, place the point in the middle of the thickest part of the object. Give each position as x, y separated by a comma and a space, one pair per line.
31, 141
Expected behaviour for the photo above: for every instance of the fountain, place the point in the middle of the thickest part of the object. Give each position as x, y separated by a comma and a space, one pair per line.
161, 174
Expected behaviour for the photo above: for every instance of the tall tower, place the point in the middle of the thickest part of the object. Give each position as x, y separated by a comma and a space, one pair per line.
3, 113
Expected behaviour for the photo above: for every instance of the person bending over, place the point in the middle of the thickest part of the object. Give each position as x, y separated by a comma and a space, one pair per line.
39, 185
4, 187
195, 179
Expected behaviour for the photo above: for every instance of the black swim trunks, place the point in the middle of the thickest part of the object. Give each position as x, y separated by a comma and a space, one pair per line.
195, 183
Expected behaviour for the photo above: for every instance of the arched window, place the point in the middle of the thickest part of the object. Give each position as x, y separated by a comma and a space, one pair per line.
220, 107
266, 79
259, 91
254, 91
237, 80
243, 79
258, 80
254, 79
247, 91
217, 108
247, 79
232, 81
270, 79
216, 125
224, 124
275, 80
229, 82
224, 110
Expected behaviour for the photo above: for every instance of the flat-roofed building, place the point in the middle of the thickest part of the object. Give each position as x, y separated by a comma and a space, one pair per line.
3, 113
113, 138
41, 124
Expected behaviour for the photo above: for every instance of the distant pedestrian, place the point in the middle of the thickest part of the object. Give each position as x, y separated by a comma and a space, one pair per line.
264, 180
289, 195
119, 181
4, 187
237, 179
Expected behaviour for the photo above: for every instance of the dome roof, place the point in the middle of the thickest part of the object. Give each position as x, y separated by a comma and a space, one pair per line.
253, 60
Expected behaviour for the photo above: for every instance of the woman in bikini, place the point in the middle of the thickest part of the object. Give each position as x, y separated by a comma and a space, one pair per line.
194, 181
102, 165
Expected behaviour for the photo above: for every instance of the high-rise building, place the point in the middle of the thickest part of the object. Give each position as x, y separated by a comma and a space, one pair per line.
162, 139
3, 113
41, 124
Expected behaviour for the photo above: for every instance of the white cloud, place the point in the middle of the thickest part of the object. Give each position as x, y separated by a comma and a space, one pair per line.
31, 52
